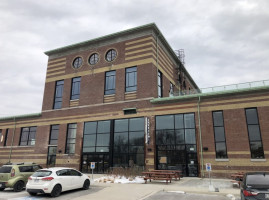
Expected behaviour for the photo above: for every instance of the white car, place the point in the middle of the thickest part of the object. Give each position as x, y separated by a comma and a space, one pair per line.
56, 180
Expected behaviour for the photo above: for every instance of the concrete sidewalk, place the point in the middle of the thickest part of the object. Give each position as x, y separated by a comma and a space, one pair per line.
140, 191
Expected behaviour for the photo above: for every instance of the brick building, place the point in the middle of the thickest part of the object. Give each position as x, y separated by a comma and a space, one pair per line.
126, 99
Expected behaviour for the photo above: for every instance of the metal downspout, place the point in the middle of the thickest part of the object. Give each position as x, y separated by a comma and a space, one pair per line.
12, 140
200, 138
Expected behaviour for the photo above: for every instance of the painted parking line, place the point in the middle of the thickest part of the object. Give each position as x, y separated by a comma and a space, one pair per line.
26, 198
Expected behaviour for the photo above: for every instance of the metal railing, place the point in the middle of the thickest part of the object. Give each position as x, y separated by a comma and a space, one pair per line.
239, 86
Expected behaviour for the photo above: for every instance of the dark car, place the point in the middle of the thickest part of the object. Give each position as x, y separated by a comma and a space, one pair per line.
255, 185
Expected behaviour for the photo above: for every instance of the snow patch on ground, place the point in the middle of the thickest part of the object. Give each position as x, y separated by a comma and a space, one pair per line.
119, 179
232, 197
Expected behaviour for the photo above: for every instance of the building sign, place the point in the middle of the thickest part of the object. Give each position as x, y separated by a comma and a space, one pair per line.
92, 165
163, 160
208, 167
147, 130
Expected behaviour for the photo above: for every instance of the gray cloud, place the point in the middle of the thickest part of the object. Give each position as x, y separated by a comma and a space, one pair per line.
225, 42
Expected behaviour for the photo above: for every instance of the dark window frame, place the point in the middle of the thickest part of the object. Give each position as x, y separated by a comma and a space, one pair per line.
128, 153
172, 144
111, 55
53, 128
51, 157
75, 93
171, 90
77, 63
108, 76
58, 99
29, 132
218, 156
131, 72
160, 84
1, 134
93, 59
260, 135
96, 133
67, 143
6, 137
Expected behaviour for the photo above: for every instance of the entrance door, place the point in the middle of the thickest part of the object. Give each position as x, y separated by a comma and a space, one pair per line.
51, 160
101, 163
179, 157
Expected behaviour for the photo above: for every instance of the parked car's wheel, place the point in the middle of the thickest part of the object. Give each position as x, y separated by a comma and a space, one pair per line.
56, 191
18, 186
2, 189
86, 184
32, 193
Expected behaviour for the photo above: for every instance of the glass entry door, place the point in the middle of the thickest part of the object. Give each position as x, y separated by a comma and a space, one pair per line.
176, 143
178, 157
51, 159
101, 163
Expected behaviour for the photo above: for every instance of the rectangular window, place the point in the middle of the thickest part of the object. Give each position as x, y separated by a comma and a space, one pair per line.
110, 82
171, 91
6, 137
254, 134
28, 136
131, 79
219, 132
160, 84
58, 97
71, 139
54, 133
1, 136
96, 136
75, 92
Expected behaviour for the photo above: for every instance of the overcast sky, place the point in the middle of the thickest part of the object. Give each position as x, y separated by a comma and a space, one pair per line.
225, 41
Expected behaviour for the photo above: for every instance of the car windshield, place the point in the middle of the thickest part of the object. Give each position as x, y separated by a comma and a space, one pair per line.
41, 173
258, 179
5, 169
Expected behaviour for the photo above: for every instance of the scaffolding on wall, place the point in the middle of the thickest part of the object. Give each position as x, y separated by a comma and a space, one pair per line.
181, 55
180, 72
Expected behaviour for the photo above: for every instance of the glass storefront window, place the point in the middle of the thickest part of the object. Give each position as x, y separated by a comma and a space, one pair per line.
96, 134
121, 125
129, 142
165, 122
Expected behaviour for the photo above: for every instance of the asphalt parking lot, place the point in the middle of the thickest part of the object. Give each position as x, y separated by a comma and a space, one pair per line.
9, 194
187, 196
185, 189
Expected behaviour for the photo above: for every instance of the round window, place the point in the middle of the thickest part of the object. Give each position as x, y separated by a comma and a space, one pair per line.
77, 62
93, 59
111, 55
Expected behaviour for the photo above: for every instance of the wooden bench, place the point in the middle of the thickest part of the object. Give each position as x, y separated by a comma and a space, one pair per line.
177, 173
236, 182
237, 178
167, 176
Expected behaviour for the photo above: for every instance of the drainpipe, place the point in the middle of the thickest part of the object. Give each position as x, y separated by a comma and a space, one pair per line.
200, 137
12, 140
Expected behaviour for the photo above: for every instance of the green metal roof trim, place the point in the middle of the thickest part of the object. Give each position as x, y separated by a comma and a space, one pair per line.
117, 34
20, 116
209, 94
101, 38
